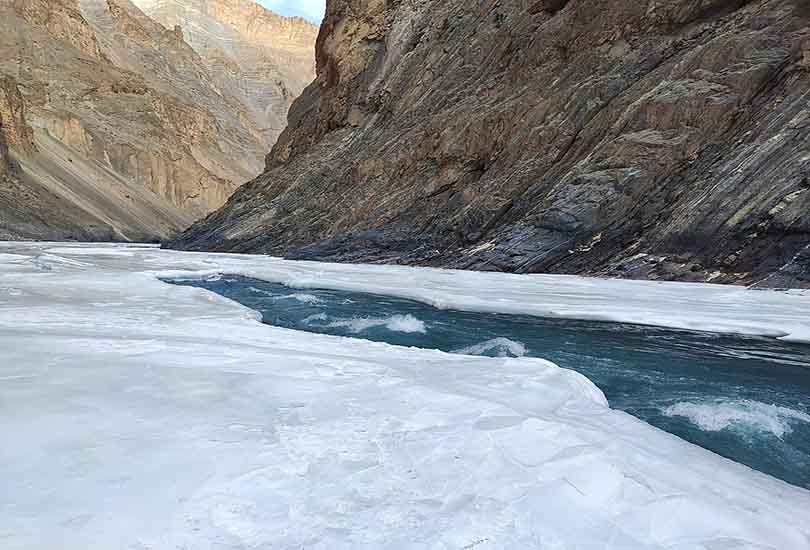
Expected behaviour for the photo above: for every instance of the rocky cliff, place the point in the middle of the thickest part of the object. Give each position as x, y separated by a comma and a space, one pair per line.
127, 124
49, 192
13, 126
260, 57
655, 139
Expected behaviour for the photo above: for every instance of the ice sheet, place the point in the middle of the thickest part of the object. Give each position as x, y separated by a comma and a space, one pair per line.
690, 306
142, 415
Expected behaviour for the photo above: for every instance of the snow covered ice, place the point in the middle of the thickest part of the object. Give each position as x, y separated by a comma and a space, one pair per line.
142, 415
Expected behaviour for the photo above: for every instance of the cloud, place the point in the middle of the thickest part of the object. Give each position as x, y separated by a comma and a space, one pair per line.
311, 9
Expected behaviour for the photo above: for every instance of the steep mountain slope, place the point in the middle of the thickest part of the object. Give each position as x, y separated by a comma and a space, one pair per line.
658, 139
131, 138
262, 58
48, 192
224, 139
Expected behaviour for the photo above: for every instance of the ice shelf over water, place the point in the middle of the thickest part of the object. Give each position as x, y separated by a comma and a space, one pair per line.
142, 415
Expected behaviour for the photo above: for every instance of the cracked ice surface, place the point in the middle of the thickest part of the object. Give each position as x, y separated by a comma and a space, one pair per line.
142, 415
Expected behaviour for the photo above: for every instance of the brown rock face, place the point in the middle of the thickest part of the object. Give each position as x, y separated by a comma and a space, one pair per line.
5, 161
263, 59
62, 20
658, 139
5, 158
47, 191
14, 127
128, 123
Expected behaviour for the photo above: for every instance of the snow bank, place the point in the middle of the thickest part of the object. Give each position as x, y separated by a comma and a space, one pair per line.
689, 306
137, 414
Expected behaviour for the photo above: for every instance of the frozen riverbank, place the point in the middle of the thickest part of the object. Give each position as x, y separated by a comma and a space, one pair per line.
690, 306
743, 397
143, 415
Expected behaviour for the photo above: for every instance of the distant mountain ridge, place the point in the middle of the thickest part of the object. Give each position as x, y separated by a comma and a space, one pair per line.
260, 57
133, 133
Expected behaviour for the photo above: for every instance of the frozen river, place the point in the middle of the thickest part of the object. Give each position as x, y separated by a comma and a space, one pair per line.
746, 398
141, 415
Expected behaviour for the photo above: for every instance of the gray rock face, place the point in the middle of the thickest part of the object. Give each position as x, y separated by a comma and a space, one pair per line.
653, 139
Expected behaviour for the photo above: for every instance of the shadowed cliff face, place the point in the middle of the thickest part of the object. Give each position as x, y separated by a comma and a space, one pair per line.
658, 139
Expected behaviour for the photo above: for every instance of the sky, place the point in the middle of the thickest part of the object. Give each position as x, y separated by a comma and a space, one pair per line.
311, 9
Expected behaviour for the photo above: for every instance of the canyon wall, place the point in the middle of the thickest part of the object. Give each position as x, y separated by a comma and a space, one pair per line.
262, 58
128, 123
653, 139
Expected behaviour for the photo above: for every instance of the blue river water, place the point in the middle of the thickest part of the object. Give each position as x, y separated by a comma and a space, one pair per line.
745, 398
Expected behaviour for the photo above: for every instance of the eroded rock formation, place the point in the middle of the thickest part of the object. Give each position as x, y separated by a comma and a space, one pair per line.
261, 58
128, 124
658, 139
62, 20
16, 132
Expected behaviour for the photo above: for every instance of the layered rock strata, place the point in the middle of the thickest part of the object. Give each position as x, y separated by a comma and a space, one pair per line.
652, 139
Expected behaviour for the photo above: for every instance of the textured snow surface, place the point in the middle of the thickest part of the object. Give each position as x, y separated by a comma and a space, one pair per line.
141, 415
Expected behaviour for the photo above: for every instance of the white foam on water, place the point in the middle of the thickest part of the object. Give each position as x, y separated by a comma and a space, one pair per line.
304, 298
503, 347
395, 323
312, 318
716, 416
300, 296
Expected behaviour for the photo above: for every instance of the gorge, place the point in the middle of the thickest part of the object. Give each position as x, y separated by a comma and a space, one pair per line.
121, 128
439, 274
656, 139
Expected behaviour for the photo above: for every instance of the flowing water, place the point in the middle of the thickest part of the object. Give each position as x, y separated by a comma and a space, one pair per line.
745, 398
